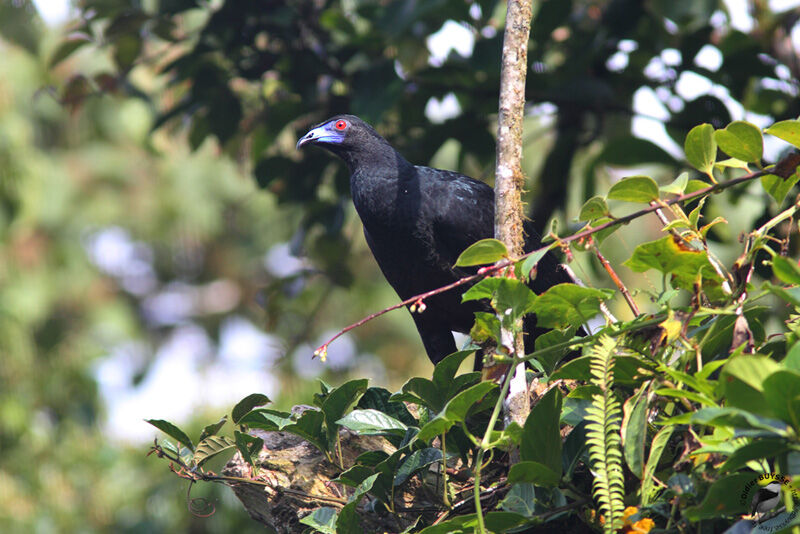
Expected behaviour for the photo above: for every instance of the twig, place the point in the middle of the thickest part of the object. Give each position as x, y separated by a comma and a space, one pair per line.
616, 279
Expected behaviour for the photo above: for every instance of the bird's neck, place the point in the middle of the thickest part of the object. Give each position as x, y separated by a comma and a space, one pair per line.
384, 187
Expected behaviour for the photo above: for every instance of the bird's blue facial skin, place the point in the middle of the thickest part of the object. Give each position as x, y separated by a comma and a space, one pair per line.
325, 133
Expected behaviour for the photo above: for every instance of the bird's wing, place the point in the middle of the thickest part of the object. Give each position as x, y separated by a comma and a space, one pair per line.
461, 211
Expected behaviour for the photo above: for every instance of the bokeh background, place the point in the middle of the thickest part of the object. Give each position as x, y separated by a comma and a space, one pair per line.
164, 251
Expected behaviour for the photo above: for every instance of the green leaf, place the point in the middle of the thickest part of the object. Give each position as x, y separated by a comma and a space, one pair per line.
371, 422
701, 148
417, 461
355, 475
541, 435
782, 392
482, 252
532, 261
70, 44
722, 499
521, 499
566, 305
444, 376
455, 411
789, 131
172, 431
534, 473
496, 522
660, 441
741, 140
212, 429
635, 189
736, 418
594, 208
248, 446
348, 520
678, 186
634, 430
420, 391
752, 369
322, 519
786, 270
792, 359
338, 402
686, 265
210, 447
247, 404
761, 448
510, 298
778, 187
377, 398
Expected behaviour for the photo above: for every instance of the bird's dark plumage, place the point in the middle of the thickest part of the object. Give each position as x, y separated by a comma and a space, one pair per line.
417, 220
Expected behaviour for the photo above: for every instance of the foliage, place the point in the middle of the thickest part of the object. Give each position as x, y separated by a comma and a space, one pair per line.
714, 396
141, 118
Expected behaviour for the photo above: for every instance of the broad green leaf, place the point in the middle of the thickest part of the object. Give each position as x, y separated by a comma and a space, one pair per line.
627, 370
789, 131
521, 499
786, 270
732, 163
210, 447
634, 430
736, 418
789, 294
377, 398
722, 499
678, 186
686, 265
741, 140
554, 337
354, 476
701, 148
760, 448
246, 404
266, 419
752, 369
420, 391
339, 401
322, 519
495, 522
656, 450
534, 473
212, 429
445, 379
566, 305
370, 422
635, 189
594, 208
510, 298
70, 44
455, 411
778, 187
173, 431
792, 359
782, 392
482, 252
541, 436
417, 461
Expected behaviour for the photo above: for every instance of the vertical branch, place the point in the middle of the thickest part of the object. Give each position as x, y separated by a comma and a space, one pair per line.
508, 169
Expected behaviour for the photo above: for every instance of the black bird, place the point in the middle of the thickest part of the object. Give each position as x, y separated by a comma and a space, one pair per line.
417, 221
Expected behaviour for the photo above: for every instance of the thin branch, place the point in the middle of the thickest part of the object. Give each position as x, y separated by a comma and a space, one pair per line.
617, 281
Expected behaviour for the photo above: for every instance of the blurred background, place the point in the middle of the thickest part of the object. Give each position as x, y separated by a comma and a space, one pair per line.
164, 251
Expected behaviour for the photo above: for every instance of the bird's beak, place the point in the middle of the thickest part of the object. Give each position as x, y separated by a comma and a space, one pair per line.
320, 134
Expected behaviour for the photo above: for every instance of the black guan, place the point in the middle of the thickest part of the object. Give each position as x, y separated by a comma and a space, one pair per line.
417, 221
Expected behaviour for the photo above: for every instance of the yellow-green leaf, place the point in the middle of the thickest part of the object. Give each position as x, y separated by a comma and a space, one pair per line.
635, 189
741, 140
789, 131
482, 252
701, 148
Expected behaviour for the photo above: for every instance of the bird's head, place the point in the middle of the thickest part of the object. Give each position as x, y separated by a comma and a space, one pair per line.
350, 138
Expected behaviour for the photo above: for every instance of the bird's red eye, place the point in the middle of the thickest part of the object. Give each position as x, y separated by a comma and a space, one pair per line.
340, 124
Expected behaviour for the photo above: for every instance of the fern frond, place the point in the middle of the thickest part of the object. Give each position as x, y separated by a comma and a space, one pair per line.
604, 418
